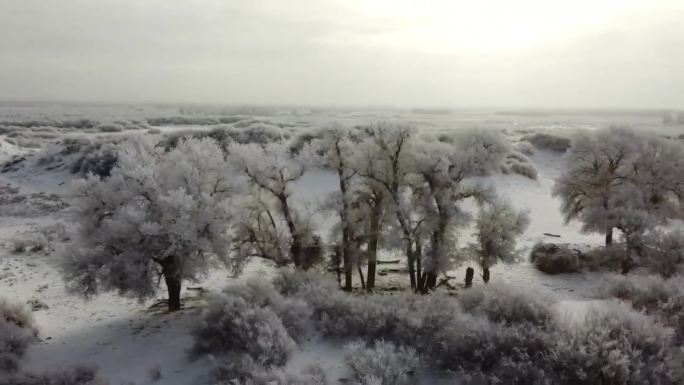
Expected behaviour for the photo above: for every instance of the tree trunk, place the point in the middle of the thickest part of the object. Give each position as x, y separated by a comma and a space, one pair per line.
419, 262
485, 274
363, 283
173, 285
428, 282
370, 280
172, 277
470, 274
373, 243
411, 264
296, 245
609, 236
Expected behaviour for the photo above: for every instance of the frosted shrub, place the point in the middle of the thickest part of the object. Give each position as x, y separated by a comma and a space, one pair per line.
404, 318
294, 313
517, 163
243, 370
382, 363
544, 141
663, 252
98, 159
615, 345
604, 258
230, 325
110, 127
17, 331
76, 375
512, 353
663, 299
289, 282
509, 304
555, 259
525, 148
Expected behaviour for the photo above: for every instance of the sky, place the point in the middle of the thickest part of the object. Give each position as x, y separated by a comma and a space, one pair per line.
400, 53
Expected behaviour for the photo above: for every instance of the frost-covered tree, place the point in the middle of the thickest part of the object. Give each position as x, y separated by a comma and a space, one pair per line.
159, 214
385, 162
335, 151
438, 189
271, 171
617, 178
596, 175
498, 225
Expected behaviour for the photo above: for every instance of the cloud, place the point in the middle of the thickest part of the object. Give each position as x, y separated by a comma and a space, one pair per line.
452, 53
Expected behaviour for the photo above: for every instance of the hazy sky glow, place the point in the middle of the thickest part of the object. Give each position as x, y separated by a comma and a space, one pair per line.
523, 53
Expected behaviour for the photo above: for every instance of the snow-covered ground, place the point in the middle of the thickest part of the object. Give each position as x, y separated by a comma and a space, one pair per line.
126, 338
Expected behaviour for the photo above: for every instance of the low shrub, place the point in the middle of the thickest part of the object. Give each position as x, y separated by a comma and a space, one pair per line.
244, 370
609, 258
76, 375
662, 298
614, 345
382, 363
294, 313
545, 141
110, 127
663, 252
97, 158
517, 163
232, 326
555, 259
17, 332
525, 148
509, 304
498, 333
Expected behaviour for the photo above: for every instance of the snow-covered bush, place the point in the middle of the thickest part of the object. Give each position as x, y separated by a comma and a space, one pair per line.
76, 375
98, 159
555, 259
403, 318
294, 313
243, 370
546, 141
290, 281
525, 148
662, 298
519, 164
614, 345
509, 304
158, 213
302, 139
29, 242
110, 127
611, 345
17, 332
609, 258
232, 326
513, 353
663, 252
382, 363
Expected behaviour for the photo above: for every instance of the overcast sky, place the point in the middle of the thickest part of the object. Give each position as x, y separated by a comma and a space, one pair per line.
442, 53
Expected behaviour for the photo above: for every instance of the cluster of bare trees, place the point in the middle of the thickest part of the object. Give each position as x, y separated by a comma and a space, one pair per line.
170, 213
397, 190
